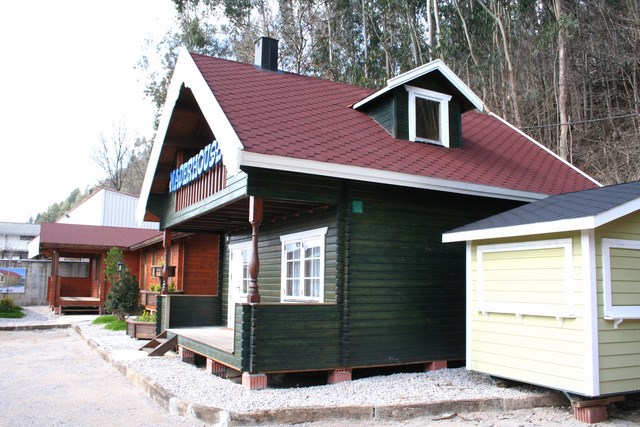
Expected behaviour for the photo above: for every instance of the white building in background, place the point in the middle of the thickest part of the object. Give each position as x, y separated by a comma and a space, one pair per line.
109, 208
15, 238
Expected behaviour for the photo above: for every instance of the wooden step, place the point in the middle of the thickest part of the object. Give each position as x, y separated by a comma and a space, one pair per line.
159, 345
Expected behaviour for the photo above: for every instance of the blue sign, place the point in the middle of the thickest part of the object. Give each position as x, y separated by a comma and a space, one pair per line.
199, 164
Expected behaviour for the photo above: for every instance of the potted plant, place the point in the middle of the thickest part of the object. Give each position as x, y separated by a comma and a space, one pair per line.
142, 326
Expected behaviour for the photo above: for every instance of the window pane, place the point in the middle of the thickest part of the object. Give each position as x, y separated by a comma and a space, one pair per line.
427, 119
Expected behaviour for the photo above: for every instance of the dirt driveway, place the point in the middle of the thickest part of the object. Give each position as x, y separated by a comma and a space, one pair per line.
53, 378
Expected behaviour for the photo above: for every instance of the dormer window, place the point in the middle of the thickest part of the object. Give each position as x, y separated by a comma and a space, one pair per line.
428, 116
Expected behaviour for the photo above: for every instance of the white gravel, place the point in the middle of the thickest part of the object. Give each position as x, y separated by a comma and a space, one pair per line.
194, 385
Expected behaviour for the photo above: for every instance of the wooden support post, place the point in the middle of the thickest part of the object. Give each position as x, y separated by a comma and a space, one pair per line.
256, 205
166, 243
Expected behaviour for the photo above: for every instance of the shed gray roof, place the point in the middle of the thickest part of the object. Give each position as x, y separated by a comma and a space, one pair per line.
563, 207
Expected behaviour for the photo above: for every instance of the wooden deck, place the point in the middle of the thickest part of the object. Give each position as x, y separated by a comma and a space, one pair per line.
79, 301
217, 337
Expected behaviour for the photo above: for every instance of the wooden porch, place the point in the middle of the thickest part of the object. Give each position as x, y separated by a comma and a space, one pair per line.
216, 337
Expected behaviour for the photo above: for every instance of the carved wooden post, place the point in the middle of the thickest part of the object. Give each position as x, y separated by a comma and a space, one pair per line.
255, 218
166, 242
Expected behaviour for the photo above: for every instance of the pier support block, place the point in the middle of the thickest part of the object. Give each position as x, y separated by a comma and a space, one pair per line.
186, 355
339, 375
216, 368
254, 381
436, 365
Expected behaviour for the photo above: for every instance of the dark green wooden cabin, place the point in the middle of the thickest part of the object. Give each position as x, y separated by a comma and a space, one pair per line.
330, 202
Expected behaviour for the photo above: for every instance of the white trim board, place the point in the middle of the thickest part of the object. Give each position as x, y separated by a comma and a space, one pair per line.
357, 173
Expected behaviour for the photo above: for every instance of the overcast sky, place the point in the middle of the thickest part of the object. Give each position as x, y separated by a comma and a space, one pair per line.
67, 75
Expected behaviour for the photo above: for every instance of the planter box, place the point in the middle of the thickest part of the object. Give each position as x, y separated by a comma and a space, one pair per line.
157, 270
141, 330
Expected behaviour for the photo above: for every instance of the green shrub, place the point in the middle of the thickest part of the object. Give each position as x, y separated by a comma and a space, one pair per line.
9, 310
155, 288
7, 304
122, 299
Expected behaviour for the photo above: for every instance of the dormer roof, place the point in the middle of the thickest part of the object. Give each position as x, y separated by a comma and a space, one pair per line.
436, 67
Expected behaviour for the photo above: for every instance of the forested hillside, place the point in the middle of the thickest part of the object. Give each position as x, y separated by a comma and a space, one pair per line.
567, 72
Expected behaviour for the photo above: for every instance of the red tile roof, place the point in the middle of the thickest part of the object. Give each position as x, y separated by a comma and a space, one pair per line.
53, 234
300, 117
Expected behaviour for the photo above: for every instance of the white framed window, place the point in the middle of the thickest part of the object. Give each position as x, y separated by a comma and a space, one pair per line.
303, 266
526, 278
621, 278
428, 116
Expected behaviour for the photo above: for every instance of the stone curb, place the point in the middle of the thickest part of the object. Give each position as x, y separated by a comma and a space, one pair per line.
397, 412
35, 327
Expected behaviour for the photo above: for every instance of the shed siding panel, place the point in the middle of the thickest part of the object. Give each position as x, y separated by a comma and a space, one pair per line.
531, 348
619, 349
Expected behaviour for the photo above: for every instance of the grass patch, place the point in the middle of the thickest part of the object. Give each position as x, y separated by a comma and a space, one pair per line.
9, 310
17, 314
116, 325
111, 323
101, 320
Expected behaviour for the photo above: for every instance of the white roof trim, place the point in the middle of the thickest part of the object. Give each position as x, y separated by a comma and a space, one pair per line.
545, 148
420, 71
583, 223
186, 72
383, 177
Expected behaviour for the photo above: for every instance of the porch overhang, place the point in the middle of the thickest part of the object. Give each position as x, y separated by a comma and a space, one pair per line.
234, 216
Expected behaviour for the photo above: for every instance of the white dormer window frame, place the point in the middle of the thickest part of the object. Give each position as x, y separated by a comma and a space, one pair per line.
442, 99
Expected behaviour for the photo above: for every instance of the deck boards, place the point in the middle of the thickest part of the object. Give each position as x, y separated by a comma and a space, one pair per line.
217, 337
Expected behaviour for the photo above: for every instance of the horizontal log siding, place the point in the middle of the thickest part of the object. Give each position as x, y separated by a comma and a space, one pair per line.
406, 289
190, 310
295, 337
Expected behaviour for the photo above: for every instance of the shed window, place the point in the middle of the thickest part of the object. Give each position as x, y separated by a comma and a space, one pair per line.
303, 266
621, 278
428, 116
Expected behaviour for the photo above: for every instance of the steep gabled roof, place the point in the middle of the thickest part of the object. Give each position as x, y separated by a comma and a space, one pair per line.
580, 210
295, 123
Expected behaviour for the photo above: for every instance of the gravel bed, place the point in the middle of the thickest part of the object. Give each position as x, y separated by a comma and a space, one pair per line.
194, 385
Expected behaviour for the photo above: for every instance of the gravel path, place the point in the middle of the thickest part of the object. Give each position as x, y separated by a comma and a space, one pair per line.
193, 385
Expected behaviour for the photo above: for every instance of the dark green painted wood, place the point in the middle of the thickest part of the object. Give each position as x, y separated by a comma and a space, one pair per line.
402, 113
383, 112
236, 189
287, 186
192, 310
406, 288
290, 337
394, 293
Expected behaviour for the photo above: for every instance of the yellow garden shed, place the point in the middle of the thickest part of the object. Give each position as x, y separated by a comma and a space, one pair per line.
553, 292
